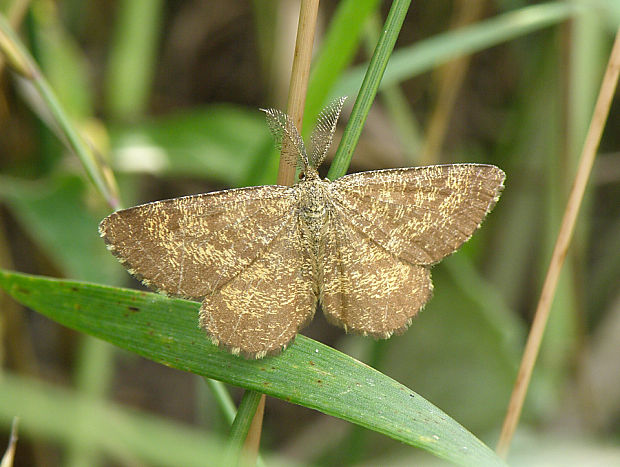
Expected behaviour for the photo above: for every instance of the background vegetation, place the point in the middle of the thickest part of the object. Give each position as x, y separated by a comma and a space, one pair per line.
168, 93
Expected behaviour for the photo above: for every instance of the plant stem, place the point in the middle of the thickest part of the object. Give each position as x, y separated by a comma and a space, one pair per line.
588, 154
241, 426
286, 176
299, 83
22, 62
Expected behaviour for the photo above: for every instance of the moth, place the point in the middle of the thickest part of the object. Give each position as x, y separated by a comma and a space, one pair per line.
260, 259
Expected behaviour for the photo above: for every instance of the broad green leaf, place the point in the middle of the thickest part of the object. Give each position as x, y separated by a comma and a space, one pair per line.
308, 373
221, 142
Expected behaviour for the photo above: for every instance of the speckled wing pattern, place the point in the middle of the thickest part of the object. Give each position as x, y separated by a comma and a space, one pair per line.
386, 228
260, 310
237, 250
366, 289
259, 261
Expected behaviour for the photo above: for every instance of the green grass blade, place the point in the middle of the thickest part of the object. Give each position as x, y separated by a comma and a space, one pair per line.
369, 87
243, 419
222, 398
227, 406
309, 373
61, 123
64, 64
337, 52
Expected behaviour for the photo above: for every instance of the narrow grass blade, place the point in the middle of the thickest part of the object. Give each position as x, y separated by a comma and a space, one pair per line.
241, 425
129, 81
337, 51
369, 87
97, 171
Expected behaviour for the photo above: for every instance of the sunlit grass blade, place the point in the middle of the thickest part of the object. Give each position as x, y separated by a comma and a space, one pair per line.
308, 373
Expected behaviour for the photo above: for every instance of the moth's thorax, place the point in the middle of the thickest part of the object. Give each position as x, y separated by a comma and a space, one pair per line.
313, 204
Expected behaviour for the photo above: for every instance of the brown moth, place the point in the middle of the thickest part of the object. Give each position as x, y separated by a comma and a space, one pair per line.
261, 258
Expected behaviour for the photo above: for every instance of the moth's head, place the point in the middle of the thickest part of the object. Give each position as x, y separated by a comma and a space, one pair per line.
308, 173
290, 142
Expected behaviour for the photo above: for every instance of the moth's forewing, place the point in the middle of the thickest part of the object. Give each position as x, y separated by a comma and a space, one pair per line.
190, 246
420, 214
